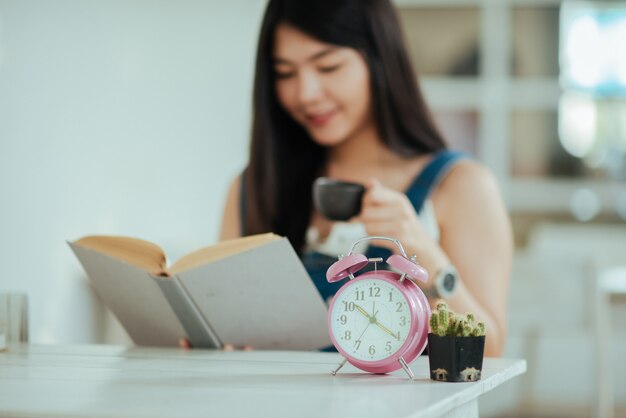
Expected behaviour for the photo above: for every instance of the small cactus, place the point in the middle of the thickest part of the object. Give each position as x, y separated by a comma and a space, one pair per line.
444, 322
479, 330
444, 318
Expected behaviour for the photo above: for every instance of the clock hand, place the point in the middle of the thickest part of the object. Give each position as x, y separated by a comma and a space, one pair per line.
358, 308
373, 319
366, 327
384, 328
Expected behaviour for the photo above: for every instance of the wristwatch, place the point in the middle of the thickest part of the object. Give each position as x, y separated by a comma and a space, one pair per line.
444, 283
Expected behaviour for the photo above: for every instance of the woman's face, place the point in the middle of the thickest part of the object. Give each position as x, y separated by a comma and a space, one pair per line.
324, 87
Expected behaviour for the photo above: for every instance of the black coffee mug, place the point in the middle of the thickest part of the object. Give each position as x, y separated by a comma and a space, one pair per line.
337, 200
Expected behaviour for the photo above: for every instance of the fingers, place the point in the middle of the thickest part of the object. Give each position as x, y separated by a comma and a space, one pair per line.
230, 347
371, 214
184, 343
382, 204
376, 193
388, 213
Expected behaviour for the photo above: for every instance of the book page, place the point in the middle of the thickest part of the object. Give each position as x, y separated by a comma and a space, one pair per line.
261, 297
221, 250
143, 254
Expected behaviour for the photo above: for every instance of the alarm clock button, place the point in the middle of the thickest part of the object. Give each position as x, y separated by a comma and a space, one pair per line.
346, 266
414, 271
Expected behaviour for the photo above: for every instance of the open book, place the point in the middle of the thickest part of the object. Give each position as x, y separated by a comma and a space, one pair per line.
247, 291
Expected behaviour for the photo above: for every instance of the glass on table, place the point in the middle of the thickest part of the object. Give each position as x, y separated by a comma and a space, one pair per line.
13, 318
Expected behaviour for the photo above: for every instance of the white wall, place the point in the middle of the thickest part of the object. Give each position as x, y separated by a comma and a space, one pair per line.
116, 117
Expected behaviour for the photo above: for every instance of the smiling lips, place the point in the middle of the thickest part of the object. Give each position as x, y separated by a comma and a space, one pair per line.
320, 119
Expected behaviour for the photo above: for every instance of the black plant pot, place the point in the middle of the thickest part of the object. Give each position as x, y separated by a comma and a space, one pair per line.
455, 359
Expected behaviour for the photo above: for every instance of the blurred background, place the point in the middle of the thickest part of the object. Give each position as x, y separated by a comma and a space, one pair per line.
132, 117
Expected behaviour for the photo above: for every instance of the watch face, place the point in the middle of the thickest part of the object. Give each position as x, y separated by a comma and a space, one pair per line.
449, 281
370, 319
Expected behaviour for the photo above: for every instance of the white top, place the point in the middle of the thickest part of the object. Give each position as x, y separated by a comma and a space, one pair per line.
111, 381
342, 234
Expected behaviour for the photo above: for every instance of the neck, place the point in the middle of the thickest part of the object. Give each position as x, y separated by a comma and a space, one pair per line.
365, 148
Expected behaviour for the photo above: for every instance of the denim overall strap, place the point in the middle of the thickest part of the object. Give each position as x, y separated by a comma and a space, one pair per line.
431, 175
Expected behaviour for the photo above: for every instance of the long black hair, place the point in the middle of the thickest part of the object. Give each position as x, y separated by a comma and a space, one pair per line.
284, 160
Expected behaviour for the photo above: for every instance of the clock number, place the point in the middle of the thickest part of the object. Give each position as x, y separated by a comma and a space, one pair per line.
390, 296
397, 336
388, 346
399, 306
360, 295
372, 350
348, 307
347, 336
343, 319
402, 321
374, 292
357, 344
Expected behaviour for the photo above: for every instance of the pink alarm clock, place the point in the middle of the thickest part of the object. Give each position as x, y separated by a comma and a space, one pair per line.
379, 320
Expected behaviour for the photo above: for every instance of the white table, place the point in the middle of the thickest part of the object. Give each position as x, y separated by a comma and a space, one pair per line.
112, 381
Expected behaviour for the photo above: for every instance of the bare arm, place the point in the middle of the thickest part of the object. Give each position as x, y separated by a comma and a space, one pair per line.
231, 222
477, 239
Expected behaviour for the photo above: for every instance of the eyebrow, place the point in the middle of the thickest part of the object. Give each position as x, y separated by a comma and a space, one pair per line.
316, 56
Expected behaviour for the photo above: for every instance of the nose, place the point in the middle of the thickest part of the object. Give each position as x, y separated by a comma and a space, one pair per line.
310, 88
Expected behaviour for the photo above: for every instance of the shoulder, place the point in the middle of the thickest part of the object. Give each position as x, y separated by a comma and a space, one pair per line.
468, 184
235, 186
469, 174
233, 195
231, 222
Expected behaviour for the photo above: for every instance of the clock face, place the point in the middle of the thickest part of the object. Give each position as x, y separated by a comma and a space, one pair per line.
370, 319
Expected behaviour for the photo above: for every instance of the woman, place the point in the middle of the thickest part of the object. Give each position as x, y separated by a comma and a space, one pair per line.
335, 96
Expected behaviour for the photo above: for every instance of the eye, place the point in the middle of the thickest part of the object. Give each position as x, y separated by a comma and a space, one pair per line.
283, 75
329, 68
283, 71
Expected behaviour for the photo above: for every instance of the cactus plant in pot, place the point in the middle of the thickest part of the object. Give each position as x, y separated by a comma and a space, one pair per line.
456, 346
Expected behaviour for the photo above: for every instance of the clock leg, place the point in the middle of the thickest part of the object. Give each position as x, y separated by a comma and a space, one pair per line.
334, 372
406, 368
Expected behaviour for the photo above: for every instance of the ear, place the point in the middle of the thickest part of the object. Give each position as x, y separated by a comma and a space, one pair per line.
345, 267
408, 267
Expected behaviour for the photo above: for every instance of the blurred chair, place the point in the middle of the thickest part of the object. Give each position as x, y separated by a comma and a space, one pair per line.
610, 284
13, 318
